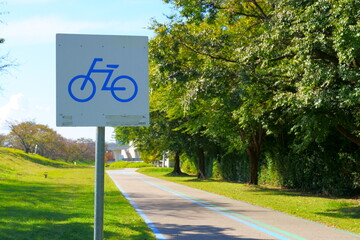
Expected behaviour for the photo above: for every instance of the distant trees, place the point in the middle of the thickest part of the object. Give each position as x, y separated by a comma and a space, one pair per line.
80, 149
32, 137
3, 138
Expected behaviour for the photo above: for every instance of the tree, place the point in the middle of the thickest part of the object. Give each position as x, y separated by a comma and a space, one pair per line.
29, 136
49, 143
170, 96
154, 140
80, 149
247, 74
274, 62
201, 52
22, 135
312, 50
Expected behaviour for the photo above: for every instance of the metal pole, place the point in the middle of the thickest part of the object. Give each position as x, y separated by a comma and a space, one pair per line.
99, 184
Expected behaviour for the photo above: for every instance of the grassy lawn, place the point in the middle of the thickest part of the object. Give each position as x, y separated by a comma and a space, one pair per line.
340, 213
60, 206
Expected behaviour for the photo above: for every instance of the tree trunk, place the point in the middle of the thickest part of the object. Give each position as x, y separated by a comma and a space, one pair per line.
348, 135
201, 165
27, 149
177, 169
253, 151
254, 157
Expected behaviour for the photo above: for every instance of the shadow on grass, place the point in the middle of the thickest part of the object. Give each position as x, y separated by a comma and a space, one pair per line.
173, 174
137, 233
195, 179
260, 190
336, 209
344, 212
31, 210
50, 230
34, 193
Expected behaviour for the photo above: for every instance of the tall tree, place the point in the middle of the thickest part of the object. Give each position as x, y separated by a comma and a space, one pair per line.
202, 52
22, 135
48, 142
261, 64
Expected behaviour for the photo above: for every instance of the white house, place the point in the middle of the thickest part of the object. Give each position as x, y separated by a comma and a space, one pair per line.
124, 152
165, 161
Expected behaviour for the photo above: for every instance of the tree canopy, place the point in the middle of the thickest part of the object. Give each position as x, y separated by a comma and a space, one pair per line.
259, 81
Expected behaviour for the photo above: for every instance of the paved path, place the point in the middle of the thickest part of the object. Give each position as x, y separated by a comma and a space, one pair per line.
179, 212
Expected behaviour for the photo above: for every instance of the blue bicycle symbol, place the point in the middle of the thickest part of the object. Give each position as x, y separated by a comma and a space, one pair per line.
82, 88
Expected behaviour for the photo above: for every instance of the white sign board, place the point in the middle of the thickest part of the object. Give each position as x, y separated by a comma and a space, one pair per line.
101, 80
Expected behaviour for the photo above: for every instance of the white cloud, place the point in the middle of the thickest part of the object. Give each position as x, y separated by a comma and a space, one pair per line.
12, 105
43, 109
39, 30
43, 29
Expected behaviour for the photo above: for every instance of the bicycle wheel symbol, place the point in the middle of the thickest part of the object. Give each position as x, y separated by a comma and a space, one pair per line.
84, 92
122, 83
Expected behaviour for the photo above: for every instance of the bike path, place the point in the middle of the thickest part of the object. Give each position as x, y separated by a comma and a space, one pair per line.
175, 211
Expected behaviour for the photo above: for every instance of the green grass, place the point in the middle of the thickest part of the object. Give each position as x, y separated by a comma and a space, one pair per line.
60, 206
124, 164
340, 213
32, 157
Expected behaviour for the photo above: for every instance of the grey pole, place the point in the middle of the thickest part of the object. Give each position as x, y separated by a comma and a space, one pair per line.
99, 184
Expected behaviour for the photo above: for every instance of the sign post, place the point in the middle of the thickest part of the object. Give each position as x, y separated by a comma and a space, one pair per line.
101, 80
99, 184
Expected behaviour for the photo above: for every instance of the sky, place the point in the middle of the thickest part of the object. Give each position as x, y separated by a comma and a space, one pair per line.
29, 27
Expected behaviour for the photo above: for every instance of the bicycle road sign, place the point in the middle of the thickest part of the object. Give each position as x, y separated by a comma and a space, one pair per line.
101, 80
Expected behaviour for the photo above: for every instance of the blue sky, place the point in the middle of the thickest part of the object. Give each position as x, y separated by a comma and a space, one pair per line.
29, 28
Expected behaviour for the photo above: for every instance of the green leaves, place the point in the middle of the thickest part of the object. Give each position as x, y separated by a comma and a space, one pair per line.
228, 73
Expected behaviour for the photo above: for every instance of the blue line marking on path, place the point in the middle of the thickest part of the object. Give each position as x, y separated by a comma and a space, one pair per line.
152, 226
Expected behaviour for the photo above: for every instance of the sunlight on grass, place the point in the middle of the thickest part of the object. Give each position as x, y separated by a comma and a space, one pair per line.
61, 205
124, 164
